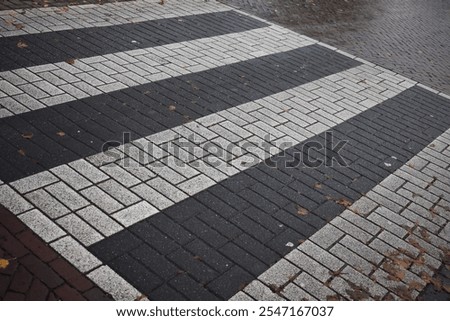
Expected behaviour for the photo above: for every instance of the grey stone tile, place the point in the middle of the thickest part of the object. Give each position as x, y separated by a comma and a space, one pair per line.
42, 225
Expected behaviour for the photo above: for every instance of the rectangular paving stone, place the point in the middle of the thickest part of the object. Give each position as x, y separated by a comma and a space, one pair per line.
352, 259
71, 177
196, 184
120, 175
167, 189
88, 171
76, 254
79, 229
47, 203
351, 229
310, 285
42, 225
152, 196
33, 182
118, 192
279, 274
99, 220
135, 213
294, 293
261, 292
321, 255
67, 196
13, 201
361, 249
309, 265
101, 199
113, 284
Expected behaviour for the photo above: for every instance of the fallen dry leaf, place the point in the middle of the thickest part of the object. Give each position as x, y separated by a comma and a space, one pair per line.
317, 186
140, 297
27, 135
275, 289
4, 263
198, 258
162, 2
18, 26
404, 293
71, 61
22, 44
414, 285
172, 108
395, 273
302, 211
61, 134
22, 152
344, 202
62, 10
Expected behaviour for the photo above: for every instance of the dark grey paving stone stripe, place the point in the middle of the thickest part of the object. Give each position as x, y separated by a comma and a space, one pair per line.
438, 291
51, 47
210, 245
143, 110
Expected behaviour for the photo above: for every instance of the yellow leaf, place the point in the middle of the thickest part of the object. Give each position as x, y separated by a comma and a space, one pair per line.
4, 263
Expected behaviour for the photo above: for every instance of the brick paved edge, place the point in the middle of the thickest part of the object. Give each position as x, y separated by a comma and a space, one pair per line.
35, 271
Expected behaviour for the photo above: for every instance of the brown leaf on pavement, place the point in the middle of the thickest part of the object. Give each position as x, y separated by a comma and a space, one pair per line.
22, 152
27, 135
21, 44
344, 202
404, 293
424, 233
71, 61
18, 26
4, 263
61, 134
395, 273
317, 186
302, 211
172, 107
162, 2
62, 10
414, 285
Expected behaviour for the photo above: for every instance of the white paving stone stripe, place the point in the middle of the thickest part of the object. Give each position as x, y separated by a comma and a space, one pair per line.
386, 252
100, 210
41, 86
40, 20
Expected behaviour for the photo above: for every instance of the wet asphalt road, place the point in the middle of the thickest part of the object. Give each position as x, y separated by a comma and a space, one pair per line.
411, 37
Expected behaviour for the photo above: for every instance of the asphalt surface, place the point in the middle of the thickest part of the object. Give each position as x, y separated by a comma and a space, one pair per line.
410, 37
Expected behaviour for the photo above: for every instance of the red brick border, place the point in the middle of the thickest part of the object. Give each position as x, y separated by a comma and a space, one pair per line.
35, 270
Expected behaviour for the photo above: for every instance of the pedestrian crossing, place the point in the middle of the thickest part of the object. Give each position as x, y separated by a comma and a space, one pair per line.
166, 171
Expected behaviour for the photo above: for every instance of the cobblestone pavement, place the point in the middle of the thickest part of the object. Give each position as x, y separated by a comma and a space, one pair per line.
34, 271
190, 151
409, 37
27, 4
